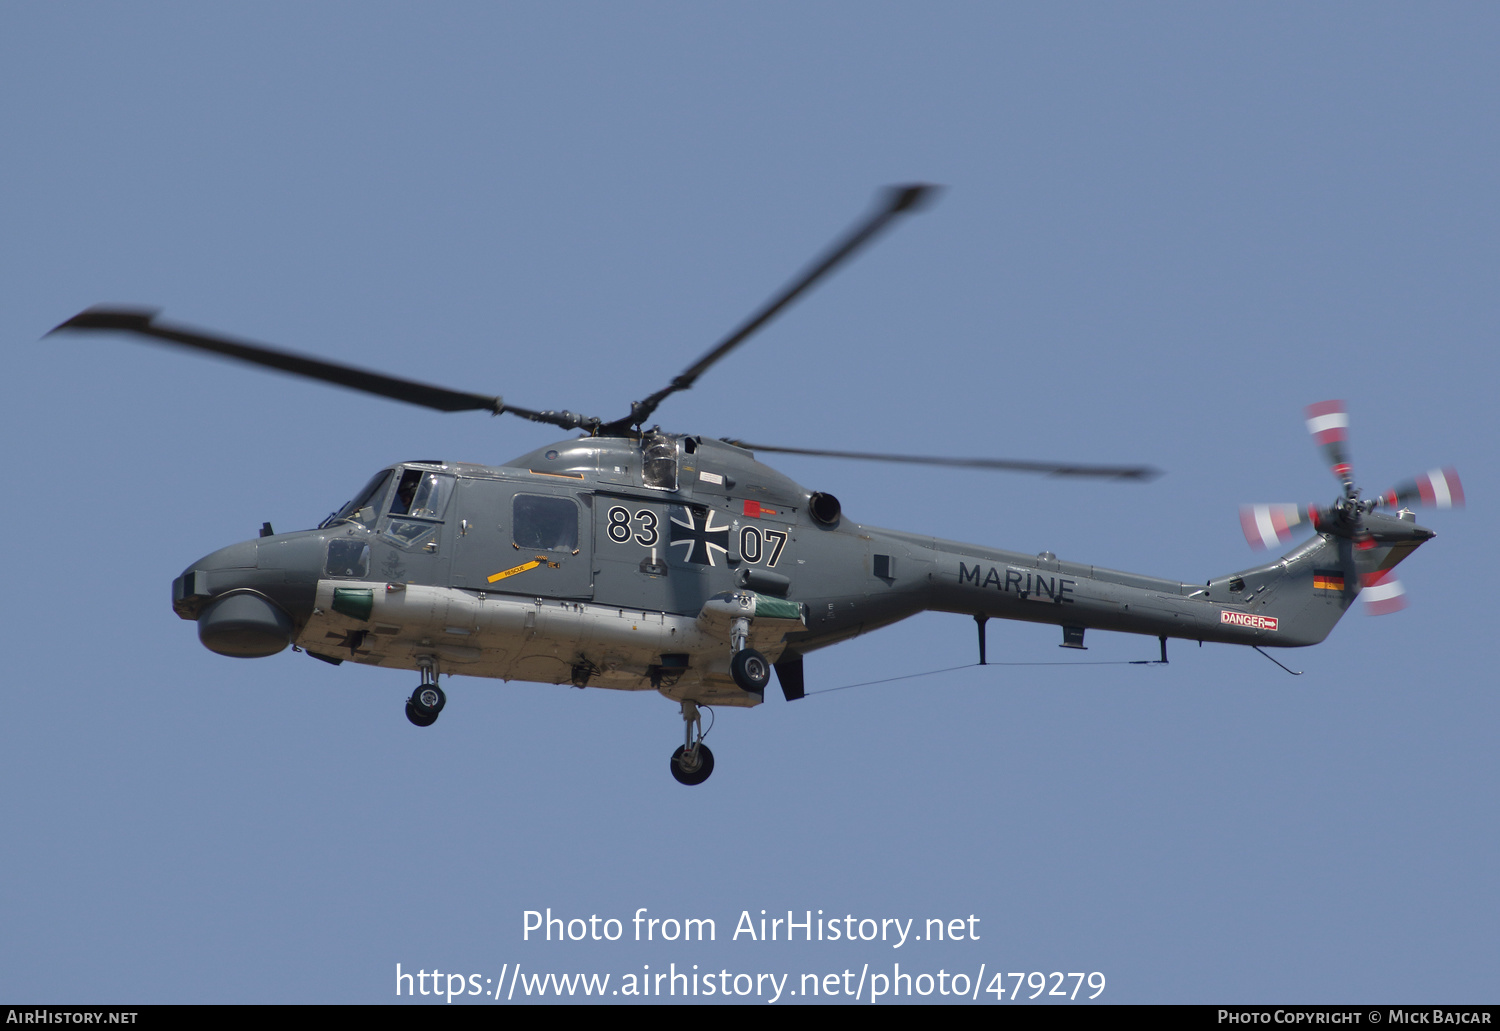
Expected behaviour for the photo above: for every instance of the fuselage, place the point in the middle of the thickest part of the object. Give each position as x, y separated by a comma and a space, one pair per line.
623, 562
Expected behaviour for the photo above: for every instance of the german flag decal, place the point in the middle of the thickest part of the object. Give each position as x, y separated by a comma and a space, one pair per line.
1328, 580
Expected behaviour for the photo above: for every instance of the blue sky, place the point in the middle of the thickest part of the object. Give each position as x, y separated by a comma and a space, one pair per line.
1167, 228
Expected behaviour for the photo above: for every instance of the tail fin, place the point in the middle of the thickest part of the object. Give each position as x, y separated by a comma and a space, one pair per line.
1310, 588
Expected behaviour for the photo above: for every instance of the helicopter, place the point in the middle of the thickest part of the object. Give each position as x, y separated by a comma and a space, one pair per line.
638, 559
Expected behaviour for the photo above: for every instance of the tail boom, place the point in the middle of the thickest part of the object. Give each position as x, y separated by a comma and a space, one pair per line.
1293, 601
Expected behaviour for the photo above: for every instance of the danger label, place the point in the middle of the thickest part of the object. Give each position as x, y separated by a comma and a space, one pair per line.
1246, 619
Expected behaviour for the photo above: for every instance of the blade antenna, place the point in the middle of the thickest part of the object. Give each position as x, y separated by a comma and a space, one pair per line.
894, 201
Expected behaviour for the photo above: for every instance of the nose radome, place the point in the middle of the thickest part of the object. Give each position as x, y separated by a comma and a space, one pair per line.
250, 598
245, 626
236, 556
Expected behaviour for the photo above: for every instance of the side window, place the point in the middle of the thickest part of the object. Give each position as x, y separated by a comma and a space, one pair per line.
409, 531
422, 494
348, 556
419, 495
545, 523
659, 462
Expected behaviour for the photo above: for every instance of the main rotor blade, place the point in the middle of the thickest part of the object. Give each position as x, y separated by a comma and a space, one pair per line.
894, 201
1109, 472
143, 322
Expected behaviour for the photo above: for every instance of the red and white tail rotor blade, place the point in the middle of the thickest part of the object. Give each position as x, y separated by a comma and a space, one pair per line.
1436, 488
1328, 422
1383, 593
1272, 526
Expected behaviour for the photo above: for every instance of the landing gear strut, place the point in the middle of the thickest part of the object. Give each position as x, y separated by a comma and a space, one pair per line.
427, 700
750, 669
692, 762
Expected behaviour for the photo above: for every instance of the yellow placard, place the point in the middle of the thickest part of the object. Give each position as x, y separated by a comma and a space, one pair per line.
515, 569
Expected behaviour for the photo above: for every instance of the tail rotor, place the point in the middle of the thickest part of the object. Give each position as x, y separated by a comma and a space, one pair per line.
1274, 526
1377, 539
1383, 593
1328, 422
1438, 488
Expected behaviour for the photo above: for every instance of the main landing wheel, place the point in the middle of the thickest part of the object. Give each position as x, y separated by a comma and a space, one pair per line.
751, 670
421, 721
694, 770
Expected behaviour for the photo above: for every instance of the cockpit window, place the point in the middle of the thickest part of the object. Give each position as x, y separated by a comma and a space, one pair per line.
545, 523
659, 462
421, 494
369, 498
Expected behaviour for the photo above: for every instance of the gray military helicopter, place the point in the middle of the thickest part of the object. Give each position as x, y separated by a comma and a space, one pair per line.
638, 559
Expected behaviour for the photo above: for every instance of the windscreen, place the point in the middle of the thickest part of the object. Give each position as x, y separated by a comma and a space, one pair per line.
369, 498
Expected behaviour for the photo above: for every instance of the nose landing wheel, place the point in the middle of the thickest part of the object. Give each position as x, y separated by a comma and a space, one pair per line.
427, 700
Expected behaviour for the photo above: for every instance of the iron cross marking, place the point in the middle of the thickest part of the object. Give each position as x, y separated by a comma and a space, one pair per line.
697, 535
